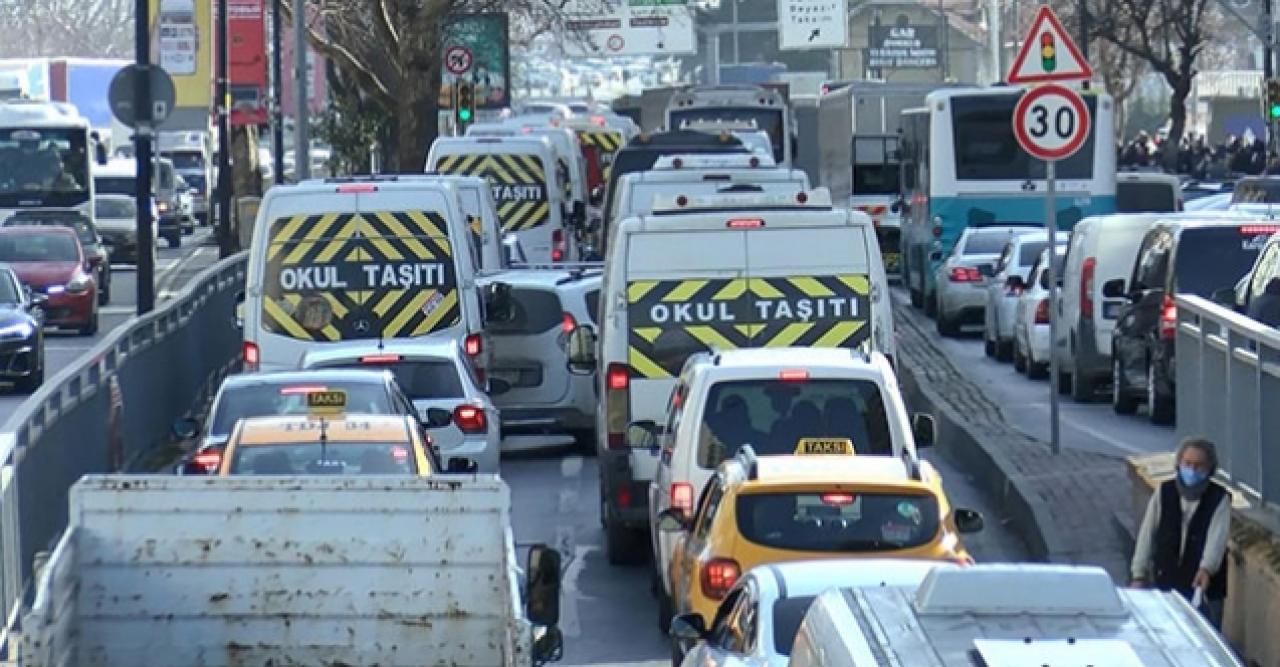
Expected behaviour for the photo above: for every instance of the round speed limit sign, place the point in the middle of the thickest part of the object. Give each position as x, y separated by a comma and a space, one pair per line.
1051, 122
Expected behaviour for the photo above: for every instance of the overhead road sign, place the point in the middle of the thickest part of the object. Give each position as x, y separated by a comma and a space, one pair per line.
607, 28
813, 24
1048, 54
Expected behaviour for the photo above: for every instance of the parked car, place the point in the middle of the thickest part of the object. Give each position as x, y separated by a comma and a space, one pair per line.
1031, 319
960, 296
117, 221
51, 261
21, 333
1012, 270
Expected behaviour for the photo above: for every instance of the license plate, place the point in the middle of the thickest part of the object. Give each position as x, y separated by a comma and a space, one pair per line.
837, 446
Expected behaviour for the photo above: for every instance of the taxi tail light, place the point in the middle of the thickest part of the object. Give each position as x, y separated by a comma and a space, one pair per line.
965, 274
1087, 272
470, 419
568, 324
557, 245
682, 497
617, 404
718, 576
251, 355
400, 454
793, 375
837, 499
745, 223
1042, 312
1168, 318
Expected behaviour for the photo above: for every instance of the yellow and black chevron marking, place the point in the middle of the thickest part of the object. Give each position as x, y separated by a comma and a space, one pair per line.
519, 185
340, 276
608, 141
671, 319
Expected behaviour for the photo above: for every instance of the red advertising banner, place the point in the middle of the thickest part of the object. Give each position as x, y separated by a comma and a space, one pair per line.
247, 61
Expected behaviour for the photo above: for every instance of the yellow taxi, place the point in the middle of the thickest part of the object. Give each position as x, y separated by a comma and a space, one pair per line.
768, 509
327, 442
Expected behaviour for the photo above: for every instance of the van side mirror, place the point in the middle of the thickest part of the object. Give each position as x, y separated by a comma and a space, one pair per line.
581, 348
642, 434
924, 430
1114, 288
673, 520
542, 586
968, 521
498, 304
185, 428
688, 628
935, 256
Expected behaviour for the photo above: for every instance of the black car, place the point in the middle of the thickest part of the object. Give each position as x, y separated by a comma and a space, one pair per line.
21, 334
1198, 257
94, 248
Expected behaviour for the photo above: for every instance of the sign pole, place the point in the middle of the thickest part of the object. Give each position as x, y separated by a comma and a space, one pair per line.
1051, 229
146, 289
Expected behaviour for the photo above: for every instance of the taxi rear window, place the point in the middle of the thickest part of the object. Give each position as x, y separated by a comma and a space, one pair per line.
838, 521
269, 400
335, 458
420, 379
775, 415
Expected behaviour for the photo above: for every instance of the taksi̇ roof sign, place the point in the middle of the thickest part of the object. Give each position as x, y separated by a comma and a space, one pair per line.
1048, 54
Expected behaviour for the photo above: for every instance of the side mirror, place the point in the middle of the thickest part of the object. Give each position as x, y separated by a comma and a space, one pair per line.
542, 588
967, 521
1015, 283
673, 520
688, 628
458, 465
924, 430
935, 256
499, 305
581, 348
185, 428
438, 418
498, 387
642, 434
1114, 288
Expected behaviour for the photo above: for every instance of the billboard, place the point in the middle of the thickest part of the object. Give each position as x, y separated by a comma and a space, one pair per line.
182, 44
484, 38
247, 61
902, 46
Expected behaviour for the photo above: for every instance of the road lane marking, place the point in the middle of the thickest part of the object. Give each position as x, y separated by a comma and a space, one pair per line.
566, 542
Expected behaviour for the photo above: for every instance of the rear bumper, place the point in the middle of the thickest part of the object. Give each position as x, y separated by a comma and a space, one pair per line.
1090, 362
962, 301
540, 420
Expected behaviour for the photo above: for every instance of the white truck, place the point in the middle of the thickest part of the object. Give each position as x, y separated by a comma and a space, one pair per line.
160, 570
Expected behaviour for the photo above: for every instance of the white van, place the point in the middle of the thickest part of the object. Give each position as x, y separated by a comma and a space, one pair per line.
358, 259
1101, 248
1147, 192
717, 272
569, 159
1007, 615
524, 175
482, 218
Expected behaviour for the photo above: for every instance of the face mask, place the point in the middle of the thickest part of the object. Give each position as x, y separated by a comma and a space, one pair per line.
1190, 476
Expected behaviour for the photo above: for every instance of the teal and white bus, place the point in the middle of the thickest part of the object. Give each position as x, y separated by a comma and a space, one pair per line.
963, 167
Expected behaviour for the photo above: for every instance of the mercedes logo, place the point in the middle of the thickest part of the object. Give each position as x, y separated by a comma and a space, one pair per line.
361, 326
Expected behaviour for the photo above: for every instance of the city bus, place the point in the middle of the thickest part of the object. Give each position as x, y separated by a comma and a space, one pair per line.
46, 158
761, 107
962, 166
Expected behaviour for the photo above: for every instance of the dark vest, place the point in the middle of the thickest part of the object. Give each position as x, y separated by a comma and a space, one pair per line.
1174, 570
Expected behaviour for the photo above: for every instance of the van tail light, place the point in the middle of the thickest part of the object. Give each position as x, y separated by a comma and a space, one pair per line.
793, 375
965, 274
473, 345
1168, 318
1086, 286
206, 462
568, 324
718, 576
557, 245
251, 356
682, 498
470, 419
617, 404
624, 496
1042, 312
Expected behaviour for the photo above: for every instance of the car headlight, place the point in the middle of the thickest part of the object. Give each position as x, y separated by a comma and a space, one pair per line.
18, 330
78, 285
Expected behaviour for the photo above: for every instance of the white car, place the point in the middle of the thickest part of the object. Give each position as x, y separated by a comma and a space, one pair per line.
778, 400
440, 381
778, 596
1031, 323
1004, 288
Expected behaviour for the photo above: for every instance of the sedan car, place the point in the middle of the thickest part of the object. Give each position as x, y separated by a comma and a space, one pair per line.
21, 337
90, 241
1031, 319
267, 394
960, 296
440, 381
51, 262
1004, 288
117, 222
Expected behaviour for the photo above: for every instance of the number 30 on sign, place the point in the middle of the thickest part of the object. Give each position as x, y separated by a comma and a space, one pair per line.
1051, 122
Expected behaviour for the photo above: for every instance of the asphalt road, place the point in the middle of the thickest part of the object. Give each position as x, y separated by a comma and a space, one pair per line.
1025, 403
607, 613
173, 269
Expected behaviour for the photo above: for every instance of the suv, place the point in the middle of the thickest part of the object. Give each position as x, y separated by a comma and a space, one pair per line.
1222, 250
779, 401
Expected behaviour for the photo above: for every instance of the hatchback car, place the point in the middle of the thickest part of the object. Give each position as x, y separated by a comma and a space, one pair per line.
51, 262
21, 334
268, 394
960, 297
90, 241
1012, 270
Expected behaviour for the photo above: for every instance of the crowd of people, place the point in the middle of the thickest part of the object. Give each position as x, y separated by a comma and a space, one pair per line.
1198, 158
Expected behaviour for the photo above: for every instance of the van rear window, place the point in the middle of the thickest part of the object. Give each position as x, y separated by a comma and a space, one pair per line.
519, 184
1211, 259
837, 520
1145, 197
536, 311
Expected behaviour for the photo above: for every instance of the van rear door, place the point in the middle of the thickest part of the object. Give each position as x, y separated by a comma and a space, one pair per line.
520, 188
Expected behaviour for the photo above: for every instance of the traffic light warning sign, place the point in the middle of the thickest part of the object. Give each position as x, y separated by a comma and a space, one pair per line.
1048, 54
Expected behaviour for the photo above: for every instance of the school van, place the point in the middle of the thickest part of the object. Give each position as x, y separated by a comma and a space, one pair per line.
527, 187
351, 260
717, 272
570, 164
482, 219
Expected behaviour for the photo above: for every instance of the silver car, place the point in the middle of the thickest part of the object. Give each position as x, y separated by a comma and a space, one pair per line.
442, 385
961, 296
543, 404
1004, 288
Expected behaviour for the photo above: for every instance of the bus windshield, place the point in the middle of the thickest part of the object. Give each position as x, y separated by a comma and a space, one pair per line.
986, 150
769, 121
43, 167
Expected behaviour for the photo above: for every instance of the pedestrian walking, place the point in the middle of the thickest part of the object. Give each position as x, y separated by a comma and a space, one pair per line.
1182, 543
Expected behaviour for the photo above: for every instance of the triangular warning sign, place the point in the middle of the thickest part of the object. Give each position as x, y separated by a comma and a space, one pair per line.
1048, 53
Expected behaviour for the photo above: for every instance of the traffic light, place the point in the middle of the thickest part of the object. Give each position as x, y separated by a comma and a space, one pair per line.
466, 109
1048, 52
1272, 100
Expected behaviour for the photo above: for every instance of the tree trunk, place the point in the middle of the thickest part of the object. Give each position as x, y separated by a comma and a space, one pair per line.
246, 178
417, 107
1177, 119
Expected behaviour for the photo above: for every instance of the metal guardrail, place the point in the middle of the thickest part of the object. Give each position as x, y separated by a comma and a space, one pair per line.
1228, 382
107, 412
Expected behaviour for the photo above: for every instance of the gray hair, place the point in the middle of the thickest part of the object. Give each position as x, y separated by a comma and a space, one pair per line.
1209, 449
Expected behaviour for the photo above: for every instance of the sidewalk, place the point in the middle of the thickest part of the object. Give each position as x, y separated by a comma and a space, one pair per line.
1065, 507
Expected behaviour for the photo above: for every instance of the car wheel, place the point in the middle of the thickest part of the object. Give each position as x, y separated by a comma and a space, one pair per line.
30, 383
1004, 350
1121, 402
1035, 370
917, 299
584, 441
988, 347
1159, 406
930, 305
1064, 380
666, 609
946, 325
91, 328
1019, 361
104, 291
622, 545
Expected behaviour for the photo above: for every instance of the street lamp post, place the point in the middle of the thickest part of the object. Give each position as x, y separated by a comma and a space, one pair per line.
146, 290
222, 104
277, 96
